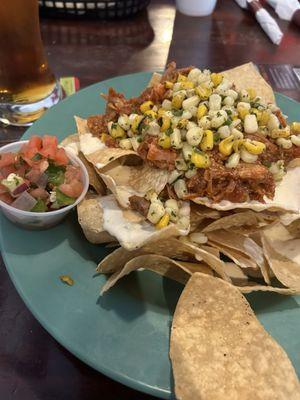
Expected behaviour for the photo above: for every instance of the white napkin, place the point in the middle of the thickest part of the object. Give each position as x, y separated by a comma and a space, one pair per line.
285, 9
269, 25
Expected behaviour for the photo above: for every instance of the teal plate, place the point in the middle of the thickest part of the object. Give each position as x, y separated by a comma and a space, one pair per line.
125, 333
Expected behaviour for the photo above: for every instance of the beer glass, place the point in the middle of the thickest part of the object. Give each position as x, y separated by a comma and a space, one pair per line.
27, 84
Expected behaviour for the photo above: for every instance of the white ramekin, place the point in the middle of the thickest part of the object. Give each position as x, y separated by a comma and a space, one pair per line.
44, 220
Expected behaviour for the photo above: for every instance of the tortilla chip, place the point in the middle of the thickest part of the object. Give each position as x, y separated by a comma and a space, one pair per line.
116, 260
161, 265
237, 275
81, 124
288, 187
242, 244
102, 155
205, 253
247, 76
132, 233
125, 181
70, 140
94, 179
220, 351
286, 270
245, 219
236, 256
90, 217
262, 288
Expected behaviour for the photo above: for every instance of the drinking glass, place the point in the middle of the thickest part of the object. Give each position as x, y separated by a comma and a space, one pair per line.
27, 85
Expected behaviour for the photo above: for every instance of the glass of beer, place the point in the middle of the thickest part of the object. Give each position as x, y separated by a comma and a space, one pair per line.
27, 84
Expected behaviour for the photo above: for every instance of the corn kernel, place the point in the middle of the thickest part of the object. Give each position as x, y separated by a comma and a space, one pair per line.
252, 93
166, 123
181, 78
117, 131
187, 85
207, 142
104, 136
182, 123
226, 146
257, 112
254, 147
264, 118
146, 106
202, 110
169, 85
203, 92
160, 112
216, 78
164, 221
164, 141
177, 100
237, 145
151, 113
243, 112
295, 127
280, 133
200, 160
136, 123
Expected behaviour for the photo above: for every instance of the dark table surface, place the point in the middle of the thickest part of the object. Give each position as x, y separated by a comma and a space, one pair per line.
93, 51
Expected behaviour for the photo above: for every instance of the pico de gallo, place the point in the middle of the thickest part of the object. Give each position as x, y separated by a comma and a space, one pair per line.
39, 177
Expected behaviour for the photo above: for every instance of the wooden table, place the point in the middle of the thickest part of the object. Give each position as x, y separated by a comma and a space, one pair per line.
33, 366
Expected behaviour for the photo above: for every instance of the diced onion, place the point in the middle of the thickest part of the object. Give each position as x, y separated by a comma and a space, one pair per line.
24, 202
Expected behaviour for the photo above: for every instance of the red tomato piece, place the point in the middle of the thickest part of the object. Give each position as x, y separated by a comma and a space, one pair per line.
61, 157
35, 142
48, 152
49, 141
6, 197
72, 189
10, 169
7, 159
71, 173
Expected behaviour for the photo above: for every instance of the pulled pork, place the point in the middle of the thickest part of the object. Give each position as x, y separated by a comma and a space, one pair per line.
157, 157
245, 182
139, 204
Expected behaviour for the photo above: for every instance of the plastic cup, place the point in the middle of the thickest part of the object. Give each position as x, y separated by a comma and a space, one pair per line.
44, 220
196, 8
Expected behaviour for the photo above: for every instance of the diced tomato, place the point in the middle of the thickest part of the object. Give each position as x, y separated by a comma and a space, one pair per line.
72, 172
5, 171
61, 157
49, 141
3, 189
48, 152
7, 159
39, 193
35, 142
6, 197
72, 189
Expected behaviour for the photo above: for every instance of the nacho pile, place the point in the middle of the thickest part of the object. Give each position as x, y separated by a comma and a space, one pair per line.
201, 168
198, 180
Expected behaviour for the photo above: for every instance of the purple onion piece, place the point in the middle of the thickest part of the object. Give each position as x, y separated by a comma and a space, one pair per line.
42, 181
24, 202
20, 189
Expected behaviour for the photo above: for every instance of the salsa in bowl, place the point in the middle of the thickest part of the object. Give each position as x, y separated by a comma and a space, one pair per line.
40, 182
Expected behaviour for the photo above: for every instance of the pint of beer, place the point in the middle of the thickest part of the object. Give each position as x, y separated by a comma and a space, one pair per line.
27, 85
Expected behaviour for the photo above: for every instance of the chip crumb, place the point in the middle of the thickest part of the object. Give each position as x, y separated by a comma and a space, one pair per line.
67, 279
